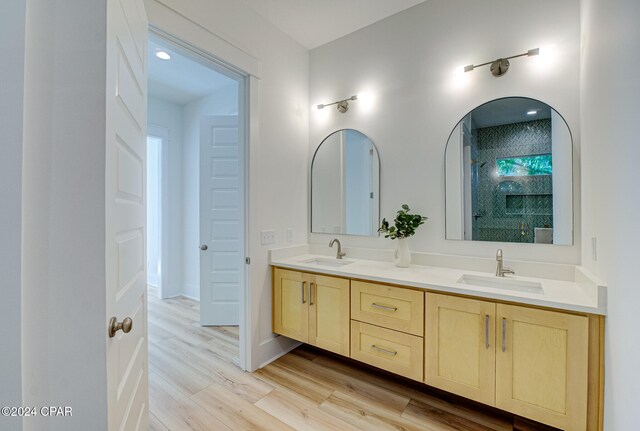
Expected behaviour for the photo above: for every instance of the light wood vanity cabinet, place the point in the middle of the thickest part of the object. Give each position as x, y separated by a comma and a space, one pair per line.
460, 349
387, 328
390, 350
540, 364
391, 307
291, 304
527, 361
312, 308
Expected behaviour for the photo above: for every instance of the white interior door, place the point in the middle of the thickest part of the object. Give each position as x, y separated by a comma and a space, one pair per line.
221, 220
126, 119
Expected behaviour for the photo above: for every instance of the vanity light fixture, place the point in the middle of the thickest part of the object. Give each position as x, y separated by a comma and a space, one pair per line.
343, 105
500, 66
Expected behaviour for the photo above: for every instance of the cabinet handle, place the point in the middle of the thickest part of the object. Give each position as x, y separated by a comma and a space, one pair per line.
304, 284
486, 331
311, 293
504, 334
384, 307
383, 350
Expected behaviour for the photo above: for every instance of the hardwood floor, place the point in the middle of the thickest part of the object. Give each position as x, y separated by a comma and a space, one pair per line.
195, 384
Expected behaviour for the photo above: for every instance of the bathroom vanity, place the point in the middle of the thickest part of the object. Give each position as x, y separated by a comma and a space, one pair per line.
529, 346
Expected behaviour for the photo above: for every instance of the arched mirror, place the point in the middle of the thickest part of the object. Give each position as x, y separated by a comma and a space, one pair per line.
345, 184
509, 174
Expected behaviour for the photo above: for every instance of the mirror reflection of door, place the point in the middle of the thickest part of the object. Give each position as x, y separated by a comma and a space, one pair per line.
358, 182
345, 182
509, 174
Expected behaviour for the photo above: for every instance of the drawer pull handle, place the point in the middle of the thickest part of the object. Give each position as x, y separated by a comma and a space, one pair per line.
311, 293
504, 334
302, 291
486, 331
384, 307
383, 350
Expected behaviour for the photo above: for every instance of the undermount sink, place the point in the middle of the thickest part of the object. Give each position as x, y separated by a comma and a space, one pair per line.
327, 262
502, 283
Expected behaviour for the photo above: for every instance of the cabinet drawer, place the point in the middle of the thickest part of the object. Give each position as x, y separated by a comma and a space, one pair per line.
393, 351
387, 306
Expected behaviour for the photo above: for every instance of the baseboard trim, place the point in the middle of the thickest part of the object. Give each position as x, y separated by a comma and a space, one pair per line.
272, 349
188, 296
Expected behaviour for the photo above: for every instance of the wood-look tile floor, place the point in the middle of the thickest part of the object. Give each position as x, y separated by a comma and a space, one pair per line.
195, 384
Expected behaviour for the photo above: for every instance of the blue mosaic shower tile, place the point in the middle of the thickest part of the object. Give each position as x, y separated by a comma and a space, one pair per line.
509, 208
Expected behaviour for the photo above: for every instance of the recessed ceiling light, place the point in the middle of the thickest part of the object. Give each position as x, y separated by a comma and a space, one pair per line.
163, 55
532, 112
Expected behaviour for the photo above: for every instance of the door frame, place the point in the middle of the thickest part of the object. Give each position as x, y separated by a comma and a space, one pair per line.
170, 24
221, 59
162, 133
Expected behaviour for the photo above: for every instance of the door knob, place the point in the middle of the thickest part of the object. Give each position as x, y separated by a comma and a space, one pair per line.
114, 326
204, 247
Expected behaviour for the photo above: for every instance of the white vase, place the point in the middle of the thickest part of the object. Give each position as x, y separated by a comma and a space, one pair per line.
402, 257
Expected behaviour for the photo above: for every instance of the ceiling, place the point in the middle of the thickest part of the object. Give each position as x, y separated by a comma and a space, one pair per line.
310, 22
181, 79
508, 111
315, 22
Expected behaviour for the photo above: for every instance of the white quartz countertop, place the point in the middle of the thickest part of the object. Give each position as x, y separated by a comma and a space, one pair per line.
563, 295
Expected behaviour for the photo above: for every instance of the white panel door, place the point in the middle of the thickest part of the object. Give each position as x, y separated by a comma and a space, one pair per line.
221, 220
125, 201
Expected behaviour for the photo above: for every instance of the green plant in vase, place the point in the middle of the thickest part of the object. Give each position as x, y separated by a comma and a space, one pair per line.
404, 226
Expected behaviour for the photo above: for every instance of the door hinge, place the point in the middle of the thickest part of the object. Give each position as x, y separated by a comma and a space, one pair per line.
247, 260
371, 195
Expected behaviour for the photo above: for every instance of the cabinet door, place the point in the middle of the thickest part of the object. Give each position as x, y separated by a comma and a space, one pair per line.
460, 346
329, 313
290, 304
542, 365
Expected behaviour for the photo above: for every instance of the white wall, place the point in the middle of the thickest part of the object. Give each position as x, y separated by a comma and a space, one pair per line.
63, 273
168, 116
223, 102
12, 40
610, 111
406, 63
279, 154
154, 217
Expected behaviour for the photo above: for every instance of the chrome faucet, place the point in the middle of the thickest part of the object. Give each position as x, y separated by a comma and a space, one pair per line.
340, 253
501, 270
